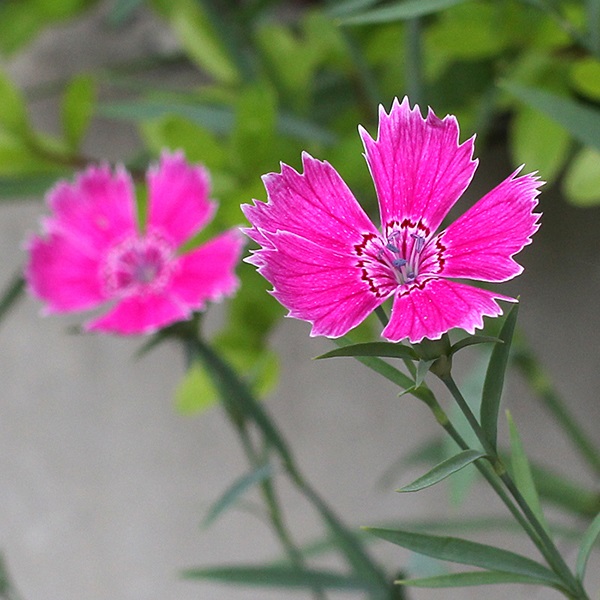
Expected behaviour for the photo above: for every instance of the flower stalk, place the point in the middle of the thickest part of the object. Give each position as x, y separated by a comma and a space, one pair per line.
536, 531
242, 409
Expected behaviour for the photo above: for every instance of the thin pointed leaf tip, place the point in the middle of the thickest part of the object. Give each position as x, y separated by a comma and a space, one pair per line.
92, 251
329, 265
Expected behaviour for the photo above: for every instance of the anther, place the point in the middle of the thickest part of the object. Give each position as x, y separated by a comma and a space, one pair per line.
419, 241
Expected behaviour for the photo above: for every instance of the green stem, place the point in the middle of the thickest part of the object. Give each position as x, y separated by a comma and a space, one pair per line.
541, 539
471, 418
533, 372
243, 408
12, 294
382, 316
272, 503
352, 547
485, 468
195, 347
414, 61
368, 94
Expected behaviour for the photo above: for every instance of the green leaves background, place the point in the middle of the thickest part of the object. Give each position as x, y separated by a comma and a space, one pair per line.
261, 88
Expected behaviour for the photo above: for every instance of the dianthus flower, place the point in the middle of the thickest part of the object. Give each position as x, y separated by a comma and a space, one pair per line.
93, 252
331, 266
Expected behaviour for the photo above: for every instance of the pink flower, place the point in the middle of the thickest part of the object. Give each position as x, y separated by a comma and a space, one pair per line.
329, 264
93, 251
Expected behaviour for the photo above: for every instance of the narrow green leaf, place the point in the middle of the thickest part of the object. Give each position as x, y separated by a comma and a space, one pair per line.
302, 129
77, 108
468, 553
521, 471
469, 579
276, 576
235, 491
423, 367
588, 540
474, 340
217, 119
494, 377
401, 11
582, 122
479, 524
443, 470
389, 372
380, 349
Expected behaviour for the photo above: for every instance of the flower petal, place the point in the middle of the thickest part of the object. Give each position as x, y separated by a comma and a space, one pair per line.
94, 211
208, 272
178, 203
419, 168
481, 243
316, 205
432, 307
61, 275
317, 284
141, 314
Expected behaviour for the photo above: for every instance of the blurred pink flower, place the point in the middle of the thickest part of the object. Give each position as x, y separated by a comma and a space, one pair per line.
93, 252
329, 264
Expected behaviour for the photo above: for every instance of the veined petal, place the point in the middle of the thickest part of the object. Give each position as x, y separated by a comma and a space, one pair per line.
432, 307
95, 210
481, 243
141, 314
62, 276
178, 203
317, 284
208, 272
316, 205
418, 166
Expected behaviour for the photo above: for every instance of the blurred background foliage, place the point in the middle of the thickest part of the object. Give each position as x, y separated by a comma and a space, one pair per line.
268, 79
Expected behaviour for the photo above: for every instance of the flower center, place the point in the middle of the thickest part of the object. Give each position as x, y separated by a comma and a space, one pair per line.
402, 254
138, 265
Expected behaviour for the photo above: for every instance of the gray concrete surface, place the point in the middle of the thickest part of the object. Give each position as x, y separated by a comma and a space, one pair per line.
103, 485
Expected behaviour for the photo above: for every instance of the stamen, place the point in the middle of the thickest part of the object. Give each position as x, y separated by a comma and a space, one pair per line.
138, 265
419, 241
399, 262
392, 247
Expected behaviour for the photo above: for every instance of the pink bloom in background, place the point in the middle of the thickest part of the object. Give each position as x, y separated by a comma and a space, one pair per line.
93, 252
331, 266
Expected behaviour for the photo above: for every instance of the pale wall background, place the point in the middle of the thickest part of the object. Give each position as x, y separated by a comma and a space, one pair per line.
103, 485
